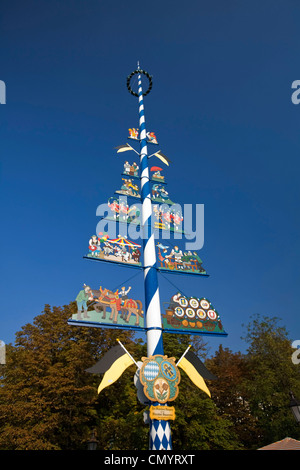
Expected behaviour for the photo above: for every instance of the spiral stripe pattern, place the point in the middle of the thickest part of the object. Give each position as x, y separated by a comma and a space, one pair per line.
160, 431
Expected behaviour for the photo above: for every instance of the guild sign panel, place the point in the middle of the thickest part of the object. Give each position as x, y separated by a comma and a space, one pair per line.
191, 315
105, 307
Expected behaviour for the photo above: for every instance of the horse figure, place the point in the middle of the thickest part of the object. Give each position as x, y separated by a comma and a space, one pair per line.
106, 298
130, 307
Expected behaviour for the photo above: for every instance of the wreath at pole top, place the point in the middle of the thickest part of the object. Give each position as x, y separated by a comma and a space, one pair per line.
138, 72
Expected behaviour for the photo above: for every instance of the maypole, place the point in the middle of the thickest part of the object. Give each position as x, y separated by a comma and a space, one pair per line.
160, 431
157, 378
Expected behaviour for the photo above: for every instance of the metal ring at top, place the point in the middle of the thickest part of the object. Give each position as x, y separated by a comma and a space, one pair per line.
138, 72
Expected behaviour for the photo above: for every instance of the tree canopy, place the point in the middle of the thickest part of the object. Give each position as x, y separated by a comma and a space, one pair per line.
49, 402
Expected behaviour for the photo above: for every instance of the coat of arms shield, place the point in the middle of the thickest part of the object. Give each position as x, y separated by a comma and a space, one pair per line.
160, 377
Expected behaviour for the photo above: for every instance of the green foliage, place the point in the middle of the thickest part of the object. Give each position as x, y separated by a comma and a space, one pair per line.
198, 425
270, 376
49, 402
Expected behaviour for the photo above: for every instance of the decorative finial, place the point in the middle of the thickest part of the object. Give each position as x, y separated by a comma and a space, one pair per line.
139, 72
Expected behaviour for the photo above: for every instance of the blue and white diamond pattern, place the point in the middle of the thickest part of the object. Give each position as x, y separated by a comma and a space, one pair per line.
160, 435
151, 370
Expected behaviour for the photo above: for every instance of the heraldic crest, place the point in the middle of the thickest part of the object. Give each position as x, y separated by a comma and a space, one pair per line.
160, 377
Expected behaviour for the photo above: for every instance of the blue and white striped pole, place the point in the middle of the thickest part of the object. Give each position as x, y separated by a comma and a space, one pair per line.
160, 430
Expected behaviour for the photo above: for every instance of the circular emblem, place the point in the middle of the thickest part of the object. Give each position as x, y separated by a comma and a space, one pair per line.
212, 314
204, 304
201, 314
168, 370
183, 302
161, 390
151, 370
179, 312
190, 313
194, 303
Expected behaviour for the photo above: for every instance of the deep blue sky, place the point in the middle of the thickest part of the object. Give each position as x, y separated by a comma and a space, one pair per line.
221, 108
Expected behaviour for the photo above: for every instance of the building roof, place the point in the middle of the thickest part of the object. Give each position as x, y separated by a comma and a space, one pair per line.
285, 444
